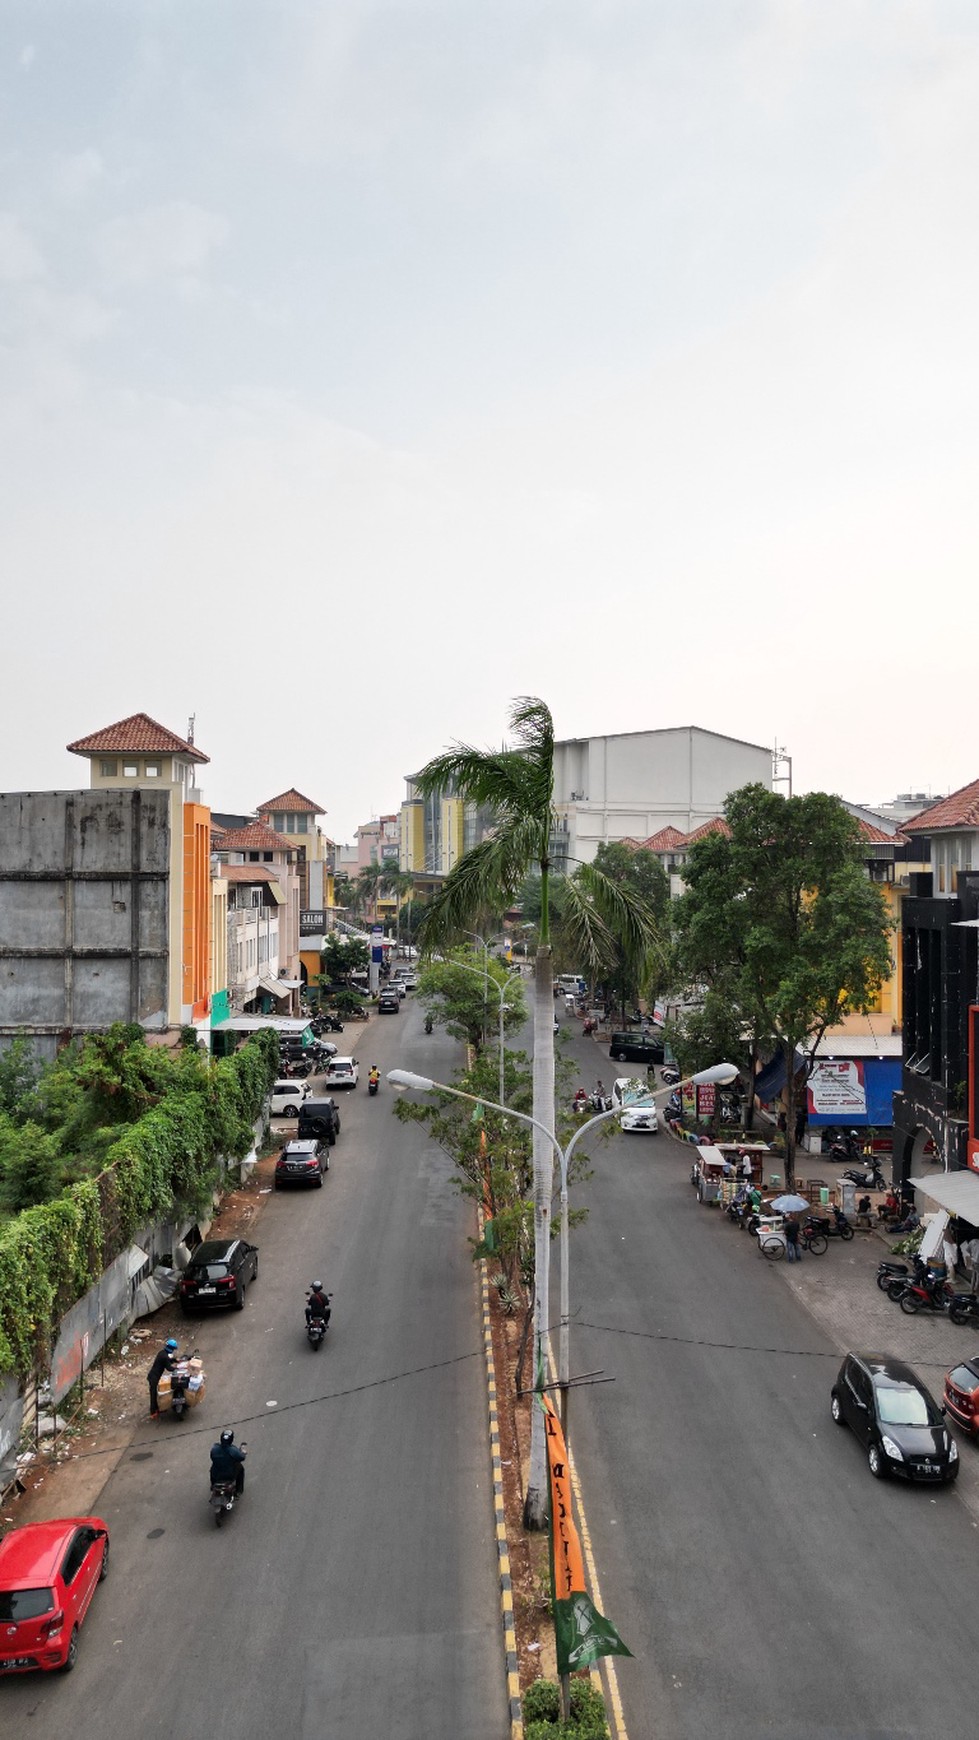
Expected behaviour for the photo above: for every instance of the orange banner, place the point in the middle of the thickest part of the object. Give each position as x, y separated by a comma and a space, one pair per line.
569, 1568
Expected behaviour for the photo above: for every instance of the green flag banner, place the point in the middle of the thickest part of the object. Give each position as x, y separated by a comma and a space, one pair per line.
581, 1633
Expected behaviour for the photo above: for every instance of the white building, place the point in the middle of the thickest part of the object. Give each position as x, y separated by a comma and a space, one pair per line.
632, 784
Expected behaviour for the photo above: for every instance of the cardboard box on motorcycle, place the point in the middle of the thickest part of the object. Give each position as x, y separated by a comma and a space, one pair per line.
196, 1389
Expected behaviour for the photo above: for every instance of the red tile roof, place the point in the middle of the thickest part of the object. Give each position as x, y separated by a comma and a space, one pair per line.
716, 825
876, 836
667, 840
248, 872
137, 735
256, 837
291, 800
959, 810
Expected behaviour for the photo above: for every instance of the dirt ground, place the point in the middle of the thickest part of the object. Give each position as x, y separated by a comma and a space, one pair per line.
115, 1404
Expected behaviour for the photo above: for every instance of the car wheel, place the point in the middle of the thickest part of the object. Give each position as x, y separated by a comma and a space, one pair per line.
104, 1571
72, 1656
875, 1459
319, 1180
326, 1161
240, 1297
617, 1056
836, 1409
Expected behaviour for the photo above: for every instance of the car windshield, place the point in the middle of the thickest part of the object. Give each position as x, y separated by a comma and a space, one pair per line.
18, 1604
209, 1271
964, 1378
901, 1405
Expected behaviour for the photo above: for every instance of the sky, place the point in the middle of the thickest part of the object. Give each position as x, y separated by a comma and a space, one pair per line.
366, 365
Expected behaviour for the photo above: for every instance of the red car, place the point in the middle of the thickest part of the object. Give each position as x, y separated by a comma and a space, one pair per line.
48, 1573
962, 1395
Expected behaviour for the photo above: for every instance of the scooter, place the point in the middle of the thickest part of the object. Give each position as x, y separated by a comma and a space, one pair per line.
223, 1495
870, 1177
429, 1024
372, 1085
180, 1378
931, 1293
836, 1228
316, 1328
964, 1308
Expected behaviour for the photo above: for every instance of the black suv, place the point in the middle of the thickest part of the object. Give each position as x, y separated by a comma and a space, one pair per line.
302, 1163
320, 1119
637, 1048
389, 1003
218, 1273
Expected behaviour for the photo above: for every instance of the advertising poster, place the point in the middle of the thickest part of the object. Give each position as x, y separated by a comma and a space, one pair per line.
836, 1089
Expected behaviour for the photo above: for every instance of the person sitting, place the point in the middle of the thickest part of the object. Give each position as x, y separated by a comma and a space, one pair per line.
580, 1102
373, 1075
910, 1223
228, 1462
863, 1212
890, 1208
317, 1302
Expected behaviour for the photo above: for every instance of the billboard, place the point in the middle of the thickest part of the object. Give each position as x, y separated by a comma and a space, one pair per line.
853, 1090
312, 922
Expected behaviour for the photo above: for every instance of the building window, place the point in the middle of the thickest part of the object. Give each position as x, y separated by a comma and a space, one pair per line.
107, 769
152, 769
130, 770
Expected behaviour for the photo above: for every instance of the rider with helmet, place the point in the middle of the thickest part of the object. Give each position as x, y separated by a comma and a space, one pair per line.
373, 1076
165, 1360
228, 1461
317, 1302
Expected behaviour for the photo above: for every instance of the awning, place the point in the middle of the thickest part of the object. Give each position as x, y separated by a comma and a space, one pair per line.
275, 890
958, 1192
770, 1081
278, 987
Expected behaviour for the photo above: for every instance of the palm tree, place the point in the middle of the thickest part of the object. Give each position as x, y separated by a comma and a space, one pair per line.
517, 785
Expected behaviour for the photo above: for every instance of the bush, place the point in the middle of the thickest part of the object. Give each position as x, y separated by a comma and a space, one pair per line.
542, 1712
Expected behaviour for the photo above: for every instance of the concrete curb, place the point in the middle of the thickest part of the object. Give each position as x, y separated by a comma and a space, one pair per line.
499, 1510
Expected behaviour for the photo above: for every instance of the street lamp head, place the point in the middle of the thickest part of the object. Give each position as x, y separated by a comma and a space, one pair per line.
406, 1078
718, 1074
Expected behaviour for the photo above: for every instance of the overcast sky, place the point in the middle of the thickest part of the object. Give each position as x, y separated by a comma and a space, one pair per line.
366, 364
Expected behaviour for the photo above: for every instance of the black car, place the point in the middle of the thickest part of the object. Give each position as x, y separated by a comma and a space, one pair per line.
302, 1162
637, 1048
389, 1003
320, 1118
896, 1419
218, 1273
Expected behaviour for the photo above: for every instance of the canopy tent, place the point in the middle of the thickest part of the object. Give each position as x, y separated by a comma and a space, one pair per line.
958, 1192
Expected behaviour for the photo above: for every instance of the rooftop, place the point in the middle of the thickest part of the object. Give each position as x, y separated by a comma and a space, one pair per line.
959, 810
256, 837
291, 800
139, 734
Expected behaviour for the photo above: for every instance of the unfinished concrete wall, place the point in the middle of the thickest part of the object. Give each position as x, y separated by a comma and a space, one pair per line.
84, 901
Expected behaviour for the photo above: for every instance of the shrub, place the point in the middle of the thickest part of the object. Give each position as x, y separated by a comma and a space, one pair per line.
542, 1712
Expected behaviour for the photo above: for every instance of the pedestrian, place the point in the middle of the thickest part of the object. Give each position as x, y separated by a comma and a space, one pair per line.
165, 1360
747, 1169
790, 1227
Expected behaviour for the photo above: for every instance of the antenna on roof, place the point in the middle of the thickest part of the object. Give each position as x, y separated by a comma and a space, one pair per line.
190, 727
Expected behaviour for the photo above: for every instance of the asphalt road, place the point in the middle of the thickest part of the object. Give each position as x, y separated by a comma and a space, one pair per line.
765, 1582
354, 1592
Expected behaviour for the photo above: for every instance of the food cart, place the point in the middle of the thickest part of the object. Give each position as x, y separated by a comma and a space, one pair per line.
707, 1175
758, 1153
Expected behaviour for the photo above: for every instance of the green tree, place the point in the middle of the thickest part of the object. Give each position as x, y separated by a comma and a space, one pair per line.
30, 1165
19, 1072
457, 996
517, 786
342, 955
641, 871
781, 921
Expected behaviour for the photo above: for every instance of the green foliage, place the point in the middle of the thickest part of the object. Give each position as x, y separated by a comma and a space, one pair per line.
30, 1165
19, 1071
347, 1001
50, 1254
542, 1712
342, 955
456, 994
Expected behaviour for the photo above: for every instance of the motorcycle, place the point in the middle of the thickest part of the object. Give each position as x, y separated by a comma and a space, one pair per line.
183, 1375
599, 1102
373, 1083
888, 1271
429, 1024
836, 1228
327, 1024
898, 1283
669, 1076
964, 1308
316, 1328
223, 1495
870, 1177
931, 1293
846, 1147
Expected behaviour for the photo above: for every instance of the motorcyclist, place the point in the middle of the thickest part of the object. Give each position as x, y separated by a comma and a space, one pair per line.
580, 1101
317, 1302
228, 1461
165, 1360
373, 1076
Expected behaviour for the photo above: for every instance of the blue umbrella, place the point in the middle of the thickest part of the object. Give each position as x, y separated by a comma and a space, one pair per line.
790, 1204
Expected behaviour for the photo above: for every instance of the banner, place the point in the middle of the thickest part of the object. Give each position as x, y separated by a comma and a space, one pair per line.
581, 1633
836, 1088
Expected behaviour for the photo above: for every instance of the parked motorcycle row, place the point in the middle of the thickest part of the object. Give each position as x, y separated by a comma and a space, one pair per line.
916, 1288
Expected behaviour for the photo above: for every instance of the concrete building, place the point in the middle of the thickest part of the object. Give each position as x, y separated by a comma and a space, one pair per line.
106, 905
633, 784
279, 972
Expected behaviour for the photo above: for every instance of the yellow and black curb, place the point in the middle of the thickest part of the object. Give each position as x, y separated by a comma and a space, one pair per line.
499, 1512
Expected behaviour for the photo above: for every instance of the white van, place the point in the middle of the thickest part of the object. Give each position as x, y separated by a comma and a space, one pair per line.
287, 1097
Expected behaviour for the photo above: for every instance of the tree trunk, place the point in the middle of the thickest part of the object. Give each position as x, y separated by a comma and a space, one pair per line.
535, 1502
749, 1104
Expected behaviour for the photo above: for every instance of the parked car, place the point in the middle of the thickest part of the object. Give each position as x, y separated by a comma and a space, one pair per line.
633, 1117
343, 1072
962, 1394
287, 1097
895, 1418
218, 1273
407, 977
303, 1161
638, 1047
389, 1003
48, 1575
319, 1117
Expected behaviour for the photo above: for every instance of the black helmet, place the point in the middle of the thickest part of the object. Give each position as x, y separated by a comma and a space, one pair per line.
227, 1437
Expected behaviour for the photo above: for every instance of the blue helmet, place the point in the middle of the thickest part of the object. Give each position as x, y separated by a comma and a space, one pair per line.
171, 1345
